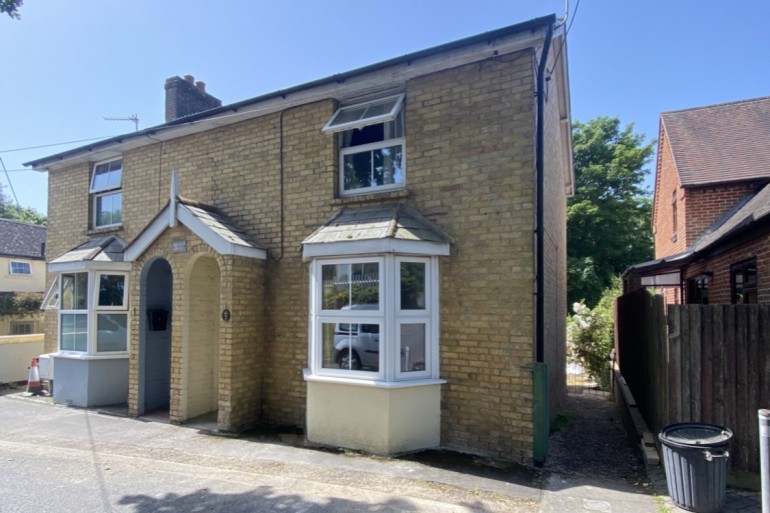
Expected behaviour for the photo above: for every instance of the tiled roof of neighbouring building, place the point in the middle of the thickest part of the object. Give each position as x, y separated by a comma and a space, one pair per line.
19, 239
729, 142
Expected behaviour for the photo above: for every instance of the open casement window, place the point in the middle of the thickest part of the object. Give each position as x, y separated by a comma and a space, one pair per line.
374, 318
20, 268
107, 194
372, 145
93, 312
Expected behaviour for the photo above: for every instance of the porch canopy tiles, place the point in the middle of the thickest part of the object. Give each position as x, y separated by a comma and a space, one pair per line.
213, 227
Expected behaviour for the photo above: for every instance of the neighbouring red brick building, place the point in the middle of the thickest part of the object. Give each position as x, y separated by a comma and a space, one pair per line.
711, 210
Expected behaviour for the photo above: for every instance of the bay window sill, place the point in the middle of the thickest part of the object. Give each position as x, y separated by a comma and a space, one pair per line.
340, 380
85, 356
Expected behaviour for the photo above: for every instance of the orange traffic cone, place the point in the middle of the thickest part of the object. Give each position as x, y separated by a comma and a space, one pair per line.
34, 386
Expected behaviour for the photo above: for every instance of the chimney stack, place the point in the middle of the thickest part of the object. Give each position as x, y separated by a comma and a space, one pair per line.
185, 96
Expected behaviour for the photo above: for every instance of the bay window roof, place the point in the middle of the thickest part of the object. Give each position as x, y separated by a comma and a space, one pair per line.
99, 252
393, 228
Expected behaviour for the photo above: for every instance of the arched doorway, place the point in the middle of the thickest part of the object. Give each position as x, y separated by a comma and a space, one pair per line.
155, 336
201, 341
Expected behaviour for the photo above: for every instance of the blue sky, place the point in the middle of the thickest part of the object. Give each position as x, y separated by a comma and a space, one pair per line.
67, 65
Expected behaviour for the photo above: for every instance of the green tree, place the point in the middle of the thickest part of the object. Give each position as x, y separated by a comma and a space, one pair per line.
25, 214
608, 219
11, 7
591, 334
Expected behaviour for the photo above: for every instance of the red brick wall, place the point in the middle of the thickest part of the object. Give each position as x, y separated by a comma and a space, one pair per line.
703, 206
668, 241
720, 287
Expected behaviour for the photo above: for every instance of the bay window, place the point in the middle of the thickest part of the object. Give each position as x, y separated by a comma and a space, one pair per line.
93, 312
374, 318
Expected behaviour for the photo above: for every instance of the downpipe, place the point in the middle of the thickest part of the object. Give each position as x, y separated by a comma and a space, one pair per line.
764, 457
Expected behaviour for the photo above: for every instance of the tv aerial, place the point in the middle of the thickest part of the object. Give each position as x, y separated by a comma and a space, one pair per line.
132, 117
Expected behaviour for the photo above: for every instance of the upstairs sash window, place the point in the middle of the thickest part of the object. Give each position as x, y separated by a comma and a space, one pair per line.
107, 193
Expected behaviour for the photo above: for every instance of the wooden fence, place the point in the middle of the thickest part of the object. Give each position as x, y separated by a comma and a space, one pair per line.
698, 363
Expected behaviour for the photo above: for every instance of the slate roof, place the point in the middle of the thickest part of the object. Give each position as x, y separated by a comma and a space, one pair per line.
729, 142
19, 239
220, 224
393, 221
207, 222
100, 249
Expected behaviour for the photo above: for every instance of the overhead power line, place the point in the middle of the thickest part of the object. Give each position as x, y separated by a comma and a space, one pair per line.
56, 144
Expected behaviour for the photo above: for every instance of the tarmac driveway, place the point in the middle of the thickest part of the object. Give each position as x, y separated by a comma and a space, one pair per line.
59, 459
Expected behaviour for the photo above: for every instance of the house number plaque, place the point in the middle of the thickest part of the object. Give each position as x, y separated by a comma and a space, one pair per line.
225, 314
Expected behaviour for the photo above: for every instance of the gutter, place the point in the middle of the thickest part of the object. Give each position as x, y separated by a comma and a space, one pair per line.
540, 178
486, 38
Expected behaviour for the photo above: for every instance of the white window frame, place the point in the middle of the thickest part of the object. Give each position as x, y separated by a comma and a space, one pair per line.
393, 114
389, 316
51, 299
369, 148
102, 192
19, 262
366, 118
92, 310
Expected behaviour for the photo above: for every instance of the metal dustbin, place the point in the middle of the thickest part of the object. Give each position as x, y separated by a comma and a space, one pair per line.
695, 457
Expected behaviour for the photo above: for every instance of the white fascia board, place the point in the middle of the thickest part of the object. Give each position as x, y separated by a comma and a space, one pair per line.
147, 237
366, 247
210, 237
88, 265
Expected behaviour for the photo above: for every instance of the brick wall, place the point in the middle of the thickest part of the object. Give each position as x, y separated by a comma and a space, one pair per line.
703, 206
470, 169
720, 286
668, 196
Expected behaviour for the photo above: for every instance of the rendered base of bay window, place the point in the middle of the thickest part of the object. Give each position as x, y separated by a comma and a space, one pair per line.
382, 420
89, 381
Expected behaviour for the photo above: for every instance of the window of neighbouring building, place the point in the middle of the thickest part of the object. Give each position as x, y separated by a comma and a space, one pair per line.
698, 289
372, 145
107, 194
21, 327
744, 282
375, 318
93, 312
20, 268
674, 217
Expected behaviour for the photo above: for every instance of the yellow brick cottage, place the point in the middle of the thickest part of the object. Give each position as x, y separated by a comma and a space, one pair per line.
378, 257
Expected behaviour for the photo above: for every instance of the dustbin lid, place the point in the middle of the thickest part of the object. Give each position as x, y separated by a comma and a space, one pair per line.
694, 435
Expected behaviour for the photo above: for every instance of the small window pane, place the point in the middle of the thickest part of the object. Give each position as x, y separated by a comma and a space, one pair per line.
111, 332
74, 291
356, 347
362, 114
111, 289
373, 168
412, 347
351, 286
74, 332
348, 115
20, 268
109, 209
412, 286
107, 176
